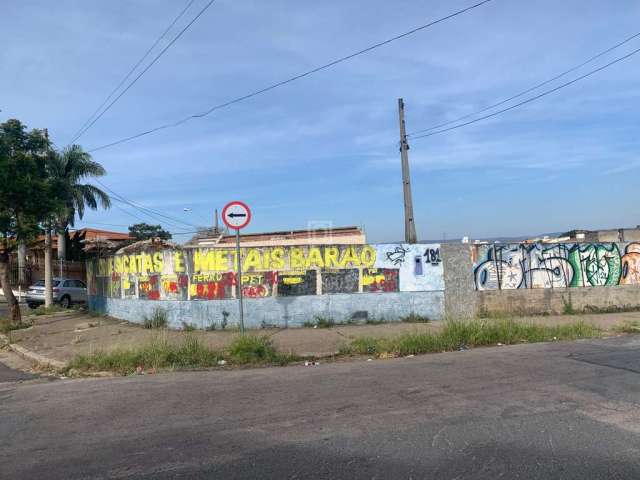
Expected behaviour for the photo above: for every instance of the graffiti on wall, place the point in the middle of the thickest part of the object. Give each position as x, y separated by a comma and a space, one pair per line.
556, 266
210, 273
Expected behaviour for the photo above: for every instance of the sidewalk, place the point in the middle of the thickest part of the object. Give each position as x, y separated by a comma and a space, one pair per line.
64, 335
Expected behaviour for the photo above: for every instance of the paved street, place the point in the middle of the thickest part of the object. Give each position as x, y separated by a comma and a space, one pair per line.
563, 410
4, 309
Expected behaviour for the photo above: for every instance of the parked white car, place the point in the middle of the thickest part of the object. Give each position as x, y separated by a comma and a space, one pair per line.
66, 291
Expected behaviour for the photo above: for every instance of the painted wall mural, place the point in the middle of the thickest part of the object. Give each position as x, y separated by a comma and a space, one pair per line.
209, 274
555, 265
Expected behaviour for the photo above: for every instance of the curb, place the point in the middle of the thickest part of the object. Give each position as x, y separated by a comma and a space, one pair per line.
32, 356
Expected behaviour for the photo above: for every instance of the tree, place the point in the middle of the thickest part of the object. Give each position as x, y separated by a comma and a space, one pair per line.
144, 231
67, 170
25, 195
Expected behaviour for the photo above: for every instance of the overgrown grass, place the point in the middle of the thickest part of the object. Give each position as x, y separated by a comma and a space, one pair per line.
6, 326
158, 319
42, 310
628, 327
472, 333
320, 322
415, 318
190, 352
255, 349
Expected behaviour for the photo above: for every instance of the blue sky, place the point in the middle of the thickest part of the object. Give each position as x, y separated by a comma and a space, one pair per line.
325, 148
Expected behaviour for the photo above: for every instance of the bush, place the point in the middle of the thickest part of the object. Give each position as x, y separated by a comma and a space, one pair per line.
157, 320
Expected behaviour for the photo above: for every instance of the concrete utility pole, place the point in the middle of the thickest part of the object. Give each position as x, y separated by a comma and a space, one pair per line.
409, 224
48, 261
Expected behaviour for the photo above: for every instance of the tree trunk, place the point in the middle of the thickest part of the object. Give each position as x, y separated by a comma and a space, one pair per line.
22, 264
14, 307
48, 268
62, 243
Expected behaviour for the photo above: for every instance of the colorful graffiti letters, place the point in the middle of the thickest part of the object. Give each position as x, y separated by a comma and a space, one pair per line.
209, 273
554, 266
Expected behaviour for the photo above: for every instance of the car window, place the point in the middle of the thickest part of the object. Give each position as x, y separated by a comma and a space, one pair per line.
69, 283
80, 284
40, 283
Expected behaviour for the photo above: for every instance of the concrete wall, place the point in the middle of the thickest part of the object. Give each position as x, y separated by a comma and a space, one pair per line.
280, 311
282, 286
288, 286
460, 294
539, 301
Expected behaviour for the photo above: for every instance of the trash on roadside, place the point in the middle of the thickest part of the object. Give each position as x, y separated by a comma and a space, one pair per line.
315, 326
369, 359
139, 370
410, 356
463, 347
386, 355
222, 362
307, 363
499, 344
151, 371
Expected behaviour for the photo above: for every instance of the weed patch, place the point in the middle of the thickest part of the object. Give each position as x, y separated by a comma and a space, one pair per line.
158, 319
415, 318
472, 333
7, 326
320, 322
628, 327
255, 349
190, 352
42, 310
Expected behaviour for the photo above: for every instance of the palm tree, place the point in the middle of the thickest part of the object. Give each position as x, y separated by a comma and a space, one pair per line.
68, 169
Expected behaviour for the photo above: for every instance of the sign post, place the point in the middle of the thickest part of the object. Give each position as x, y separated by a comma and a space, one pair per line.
237, 215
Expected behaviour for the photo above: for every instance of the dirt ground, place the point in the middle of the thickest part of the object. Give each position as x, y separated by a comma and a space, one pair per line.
61, 336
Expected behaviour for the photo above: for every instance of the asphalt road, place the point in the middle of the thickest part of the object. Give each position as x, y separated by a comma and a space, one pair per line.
10, 375
547, 411
4, 309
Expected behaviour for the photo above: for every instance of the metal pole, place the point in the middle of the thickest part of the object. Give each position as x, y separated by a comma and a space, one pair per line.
409, 223
239, 281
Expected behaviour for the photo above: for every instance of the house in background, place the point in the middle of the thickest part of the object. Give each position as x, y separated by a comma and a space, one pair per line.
315, 236
79, 241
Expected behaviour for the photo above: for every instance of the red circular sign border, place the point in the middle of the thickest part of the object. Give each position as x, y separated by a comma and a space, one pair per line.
243, 205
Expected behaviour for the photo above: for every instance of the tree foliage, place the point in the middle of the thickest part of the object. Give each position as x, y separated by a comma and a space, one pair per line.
67, 170
26, 195
144, 231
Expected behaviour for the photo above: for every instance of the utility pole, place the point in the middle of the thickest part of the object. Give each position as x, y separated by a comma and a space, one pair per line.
48, 264
409, 224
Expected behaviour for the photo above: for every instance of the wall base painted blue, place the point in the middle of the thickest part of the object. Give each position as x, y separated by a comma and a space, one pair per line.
279, 311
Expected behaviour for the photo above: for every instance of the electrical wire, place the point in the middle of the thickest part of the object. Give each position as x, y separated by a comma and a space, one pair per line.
529, 100
133, 69
291, 79
82, 132
145, 210
535, 87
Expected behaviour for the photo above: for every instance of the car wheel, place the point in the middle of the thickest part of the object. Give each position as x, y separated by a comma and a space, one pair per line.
65, 302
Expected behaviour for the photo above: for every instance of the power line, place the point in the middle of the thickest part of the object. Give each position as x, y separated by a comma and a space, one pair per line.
535, 87
529, 100
146, 210
133, 69
144, 70
150, 215
291, 79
